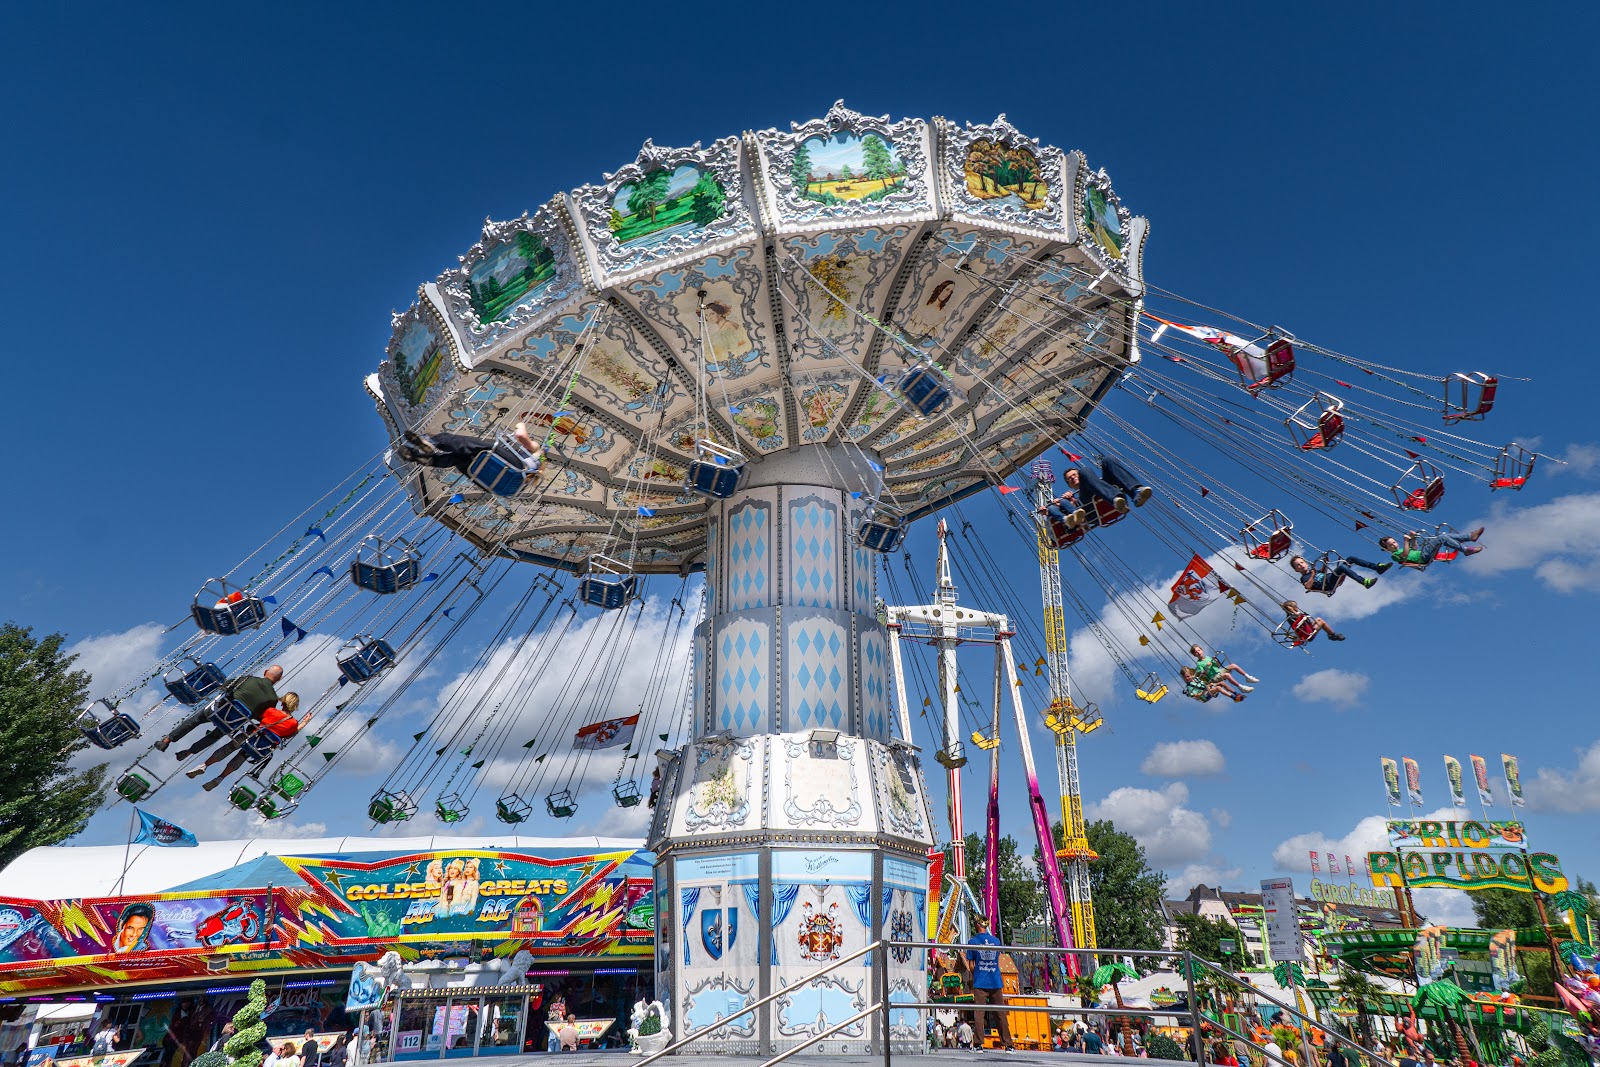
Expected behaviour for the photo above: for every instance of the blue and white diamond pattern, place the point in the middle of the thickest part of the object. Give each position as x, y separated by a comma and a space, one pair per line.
744, 676
864, 580
712, 569
818, 659
874, 682
750, 556
813, 564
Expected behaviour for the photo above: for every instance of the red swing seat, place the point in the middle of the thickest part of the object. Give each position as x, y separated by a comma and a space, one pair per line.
1469, 397
1064, 536
1296, 631
1318, 424
1269, 537
1280, 364
1420, 488
1512, 468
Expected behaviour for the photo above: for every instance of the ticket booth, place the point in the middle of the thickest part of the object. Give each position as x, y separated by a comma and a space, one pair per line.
434, 1024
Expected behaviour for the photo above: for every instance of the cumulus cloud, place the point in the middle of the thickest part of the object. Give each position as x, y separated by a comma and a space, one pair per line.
1170, 833
1576, 791
1369, 835
1581, 459
1559, 541
1333, 686
115, 659
1217, 873
1184, 759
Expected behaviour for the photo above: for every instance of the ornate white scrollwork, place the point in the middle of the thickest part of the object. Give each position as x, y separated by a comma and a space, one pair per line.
1028, 207
904, 188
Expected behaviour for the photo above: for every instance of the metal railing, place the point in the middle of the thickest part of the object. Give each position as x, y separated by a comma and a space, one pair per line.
880, 1007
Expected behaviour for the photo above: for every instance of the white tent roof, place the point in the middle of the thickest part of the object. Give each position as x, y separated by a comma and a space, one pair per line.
66, 871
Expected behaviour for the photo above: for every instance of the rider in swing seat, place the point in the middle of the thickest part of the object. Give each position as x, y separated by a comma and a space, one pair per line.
1338, 569
1421, 549
1113, 483
1305, 625
459, 451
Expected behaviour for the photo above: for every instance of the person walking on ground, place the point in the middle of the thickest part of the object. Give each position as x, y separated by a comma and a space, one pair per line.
986, 986
964, 1035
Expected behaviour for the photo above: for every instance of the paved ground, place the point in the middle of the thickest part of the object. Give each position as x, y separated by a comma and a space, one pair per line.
808, 1059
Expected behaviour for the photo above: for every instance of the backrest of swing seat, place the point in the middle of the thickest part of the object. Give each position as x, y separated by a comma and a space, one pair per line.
1280, 360
230, 715
259, 744
879, 535
609, 591
1105, 513
229, 618
193, 686
925, 389
513, 814
384, 578
136, 784
1275, 547
714, 479
1508, 483
493, 474
1425, 497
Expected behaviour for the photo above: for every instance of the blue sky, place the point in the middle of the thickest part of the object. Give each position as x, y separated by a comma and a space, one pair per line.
210, 215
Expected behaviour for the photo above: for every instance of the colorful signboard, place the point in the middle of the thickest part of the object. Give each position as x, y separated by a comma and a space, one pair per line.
1452, 833
1468, 869
1339, 893
332, 911
1282, 919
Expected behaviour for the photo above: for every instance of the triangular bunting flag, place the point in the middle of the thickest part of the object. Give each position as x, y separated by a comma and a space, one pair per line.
468, 752
1004, 489
329, 756
1143, 640
323, 570
343, 680
1347, 385
540, 759
647, 513
430, 576
270, 599
662, 736
446, 612
1360, 525
455, 499
313, 741
290, 628
1158, 619
1420, 440
440, 751
530, 744
1204, 491
1410, 453
315, 530
418, 737
855, 496
478, 765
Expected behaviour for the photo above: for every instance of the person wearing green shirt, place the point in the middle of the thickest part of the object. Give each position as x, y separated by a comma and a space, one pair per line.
256, 693
1419, 550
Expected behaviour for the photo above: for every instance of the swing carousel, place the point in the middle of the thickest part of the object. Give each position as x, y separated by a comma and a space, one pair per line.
749, 368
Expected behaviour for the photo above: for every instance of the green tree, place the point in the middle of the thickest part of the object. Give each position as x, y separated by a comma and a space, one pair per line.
1126, 892
649, 193
1358, 991
1021, 894
615, 222
707, 200
875, 158
1505, 909
42, 801
845, 174
1204, 936
800, 169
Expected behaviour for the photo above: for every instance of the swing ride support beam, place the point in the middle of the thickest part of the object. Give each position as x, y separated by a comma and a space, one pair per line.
799, 800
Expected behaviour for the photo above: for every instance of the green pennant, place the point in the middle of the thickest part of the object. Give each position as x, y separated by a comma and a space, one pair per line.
313, 741
419, 737
634, 756
468, 752
539, 759
662, 736
440, 751
372, 722
478, 765
530, 744
329, 755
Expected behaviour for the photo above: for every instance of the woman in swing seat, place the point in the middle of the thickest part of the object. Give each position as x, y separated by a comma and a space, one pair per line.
461, 450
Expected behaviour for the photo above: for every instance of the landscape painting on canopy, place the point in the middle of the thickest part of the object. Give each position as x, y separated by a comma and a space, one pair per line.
418, 359
1101, 219
831, 170
996, 170
666, 202
512, 272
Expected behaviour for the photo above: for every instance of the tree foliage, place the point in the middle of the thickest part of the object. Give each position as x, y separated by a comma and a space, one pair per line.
1505, 909
1126, 892
1204, 937
875, 159
800, 169
1022, 896
42, 800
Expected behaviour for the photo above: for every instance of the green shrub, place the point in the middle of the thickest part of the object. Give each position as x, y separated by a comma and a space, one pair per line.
1162, 1047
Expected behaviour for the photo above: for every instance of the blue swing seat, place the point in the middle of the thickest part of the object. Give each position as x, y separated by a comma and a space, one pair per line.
609, 584
221, 609
385, 568
493, 473
716, 472
259, 744
230, 716
880, 528
117, 728
193, 686
364, 658
926, 388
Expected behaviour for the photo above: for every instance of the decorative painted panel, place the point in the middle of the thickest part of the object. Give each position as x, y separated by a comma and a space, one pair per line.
517, 271
905, 918
822, 912
751, 551
718, 929
902, 805
817, 675
742, 692
994, 171
720, 794
873, 672
821, 787
421, 365
813, 537
1105, 226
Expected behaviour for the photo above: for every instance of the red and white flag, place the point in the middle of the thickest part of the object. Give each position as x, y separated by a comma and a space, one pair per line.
606, 733
1249, 358
1196, 587
1333, 864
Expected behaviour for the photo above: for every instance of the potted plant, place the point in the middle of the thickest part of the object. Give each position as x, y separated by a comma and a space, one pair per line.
649, 1033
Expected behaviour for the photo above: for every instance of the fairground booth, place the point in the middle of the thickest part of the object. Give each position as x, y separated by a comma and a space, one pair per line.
166, 950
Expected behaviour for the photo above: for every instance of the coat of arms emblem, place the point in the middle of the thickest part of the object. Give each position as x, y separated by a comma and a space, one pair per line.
820, 935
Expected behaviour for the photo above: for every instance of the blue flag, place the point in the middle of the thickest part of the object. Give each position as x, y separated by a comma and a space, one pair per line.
154, 830
648, 513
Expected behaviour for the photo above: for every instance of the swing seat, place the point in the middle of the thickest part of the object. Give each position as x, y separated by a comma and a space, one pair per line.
364, 658
229, 716
560, 804
289, 785
1469, 397
1062, 535
387, 807
191, 687
1151, 689
716, 472
450, 808
988, 740
627, 795
1512, 468
117, 728
1280, 364
385, 568
1318, 424
221, 609
244, 795
1268, 538
1420, 488
1104, 513
1321, 568
951, 756
1292, 633
512, 809
137, 783
273, 808
880, 527
926, 388
1445, 555
609, 583
258, 745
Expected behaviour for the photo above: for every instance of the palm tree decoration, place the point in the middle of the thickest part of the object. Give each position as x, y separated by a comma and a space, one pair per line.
1288, 973
1576, 905
1448, 998
1357, 990
1110, 974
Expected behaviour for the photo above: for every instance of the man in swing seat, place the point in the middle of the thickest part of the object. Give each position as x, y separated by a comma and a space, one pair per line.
460, 451
1114, 483
1420, 550
1338, 569
255, 693
280, 722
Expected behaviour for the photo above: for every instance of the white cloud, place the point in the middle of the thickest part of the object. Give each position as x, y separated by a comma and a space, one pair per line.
1576, 791
1222, 817
115, 659
1184, 759
1445, 907
1170, 833
1559, 541
1345, 688
1215, 874
1369, 835
1580, 458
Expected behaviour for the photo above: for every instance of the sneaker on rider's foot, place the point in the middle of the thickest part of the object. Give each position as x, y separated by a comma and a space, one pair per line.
1368, 582
1141, 494
1383, 567
1121, 504
1335, 637
161, 745
1252, 679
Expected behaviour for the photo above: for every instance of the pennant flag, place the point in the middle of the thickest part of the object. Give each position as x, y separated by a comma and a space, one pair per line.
647, 513
1347, 385
478, 765
154, 830
1143, 640
1480, 771
1452, 774
455, 499
634, 756
323, 570
328, 756
1420, 440
440, 751
1004, 489
1410, 453
1070, 455
430, 576
540, 759
290, 628
1204, 491
1513, 779
606, 733
418, 737
1360, 525
343, 681
531, 743
313, 741
1391, 781
315, 530
875, 466
1158, 619
1413, 779
446, 612
1315, 867
855, 496
662, 736
270, 599
1196, 587
734, 409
